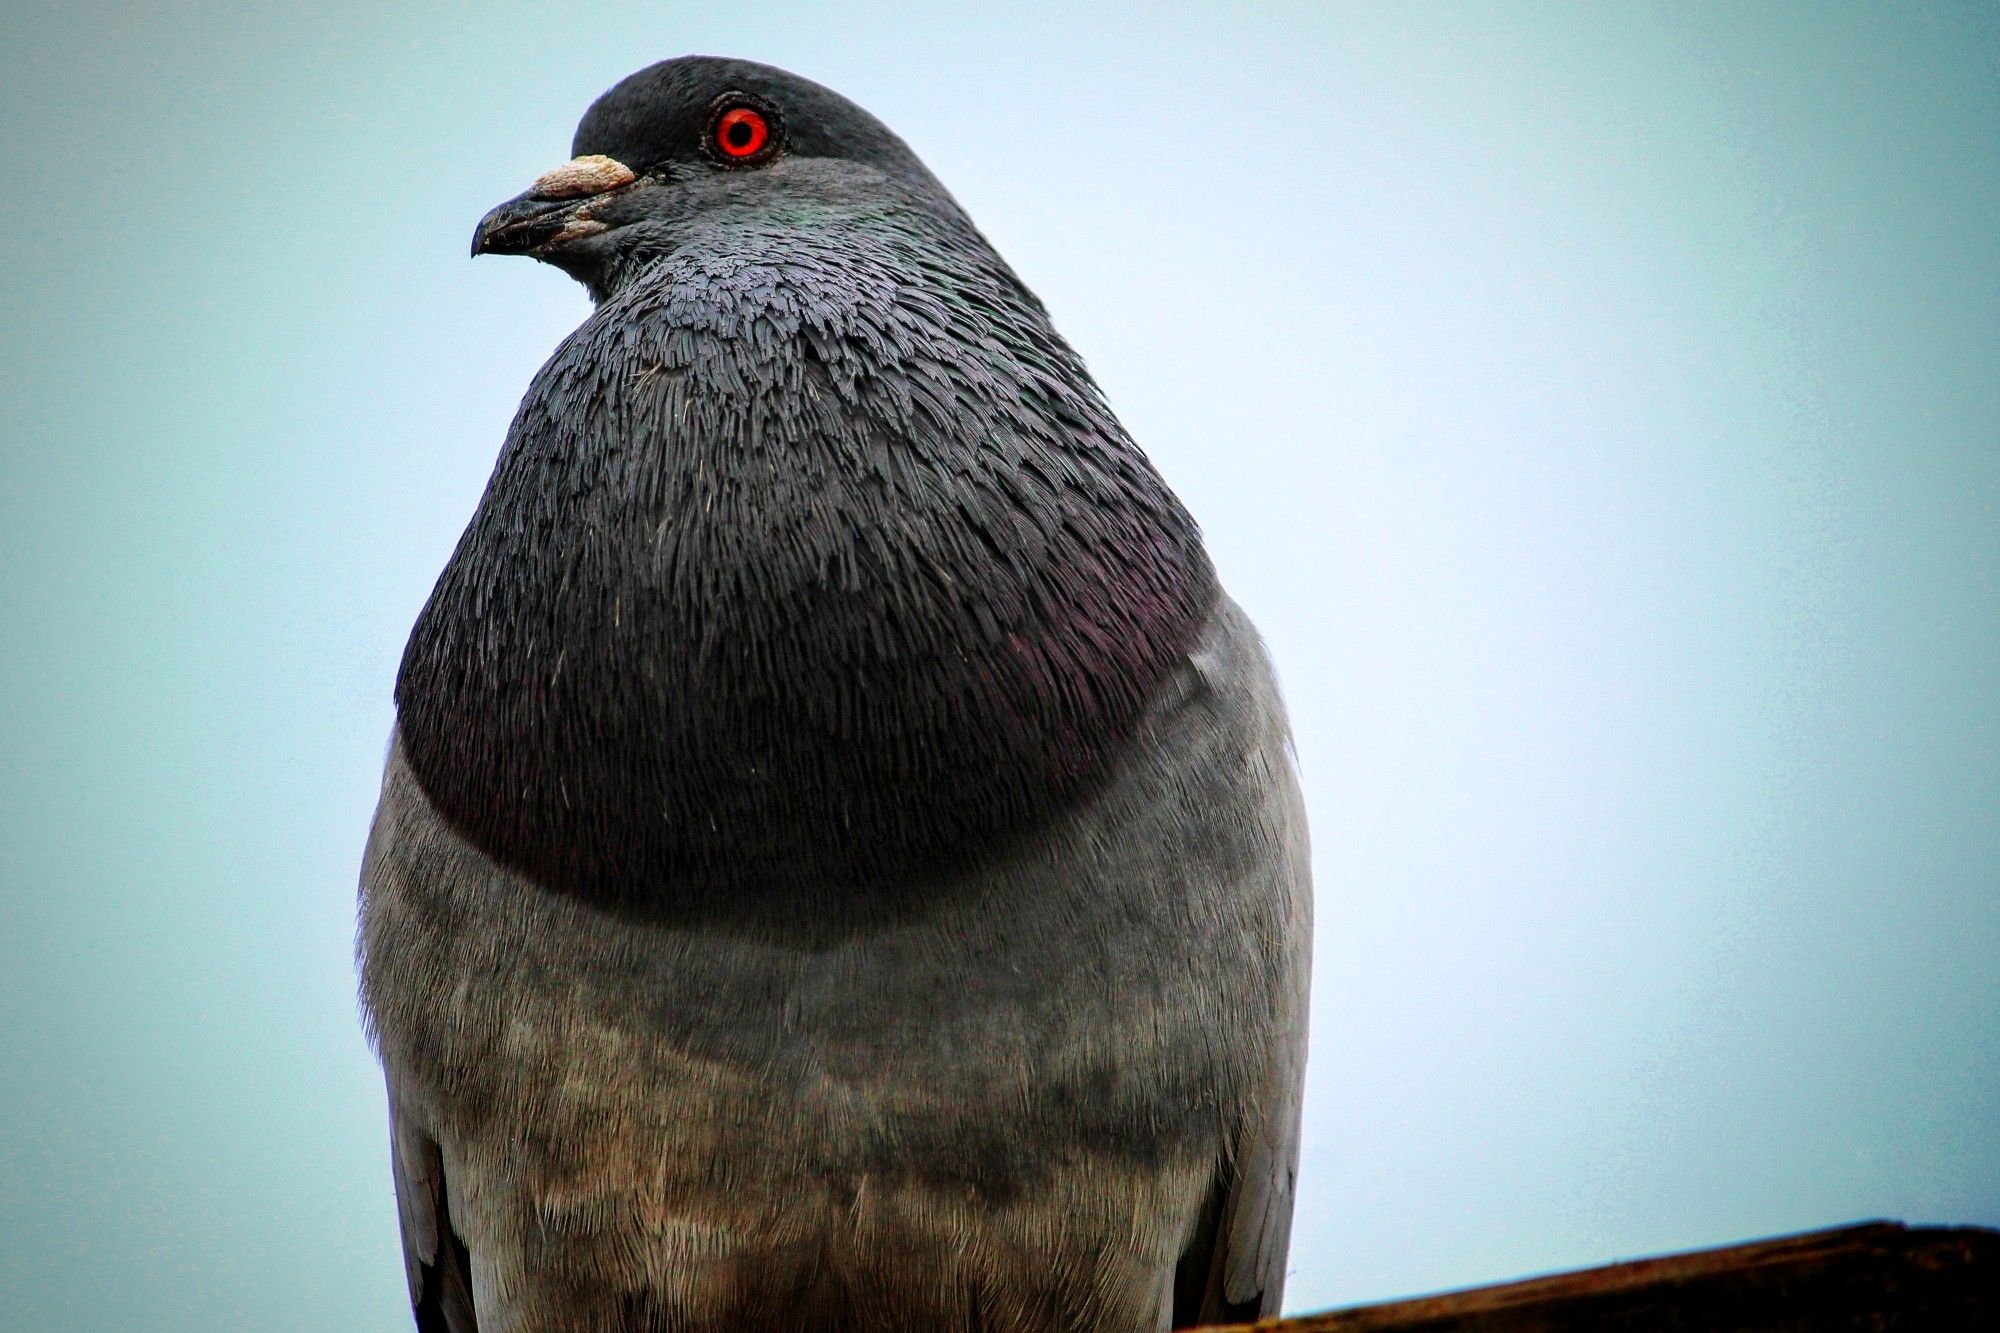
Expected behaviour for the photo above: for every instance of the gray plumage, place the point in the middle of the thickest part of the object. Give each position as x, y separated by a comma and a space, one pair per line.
839, 865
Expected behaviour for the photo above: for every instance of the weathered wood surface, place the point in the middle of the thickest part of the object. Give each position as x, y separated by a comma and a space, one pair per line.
1879, 1275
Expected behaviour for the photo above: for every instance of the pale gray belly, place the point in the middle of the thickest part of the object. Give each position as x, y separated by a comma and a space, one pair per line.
1020, 1090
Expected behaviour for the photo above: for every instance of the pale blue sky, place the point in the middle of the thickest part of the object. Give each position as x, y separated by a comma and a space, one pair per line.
1597, 406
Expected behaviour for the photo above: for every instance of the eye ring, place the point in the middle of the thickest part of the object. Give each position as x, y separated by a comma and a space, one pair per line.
743, 131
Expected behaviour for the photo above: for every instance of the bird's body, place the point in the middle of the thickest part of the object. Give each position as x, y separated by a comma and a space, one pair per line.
839, 865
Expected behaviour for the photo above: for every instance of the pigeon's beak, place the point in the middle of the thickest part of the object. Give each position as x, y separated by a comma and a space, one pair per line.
552, 211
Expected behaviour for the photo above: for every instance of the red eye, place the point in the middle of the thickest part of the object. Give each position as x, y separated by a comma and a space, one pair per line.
741, 132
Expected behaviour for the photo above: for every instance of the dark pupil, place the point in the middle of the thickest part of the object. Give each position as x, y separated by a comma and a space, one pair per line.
739, 134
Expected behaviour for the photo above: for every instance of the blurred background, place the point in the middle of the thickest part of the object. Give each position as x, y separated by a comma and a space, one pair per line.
1597, 406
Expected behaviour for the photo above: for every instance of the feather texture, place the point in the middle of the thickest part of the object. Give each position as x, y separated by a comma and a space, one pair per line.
840, 865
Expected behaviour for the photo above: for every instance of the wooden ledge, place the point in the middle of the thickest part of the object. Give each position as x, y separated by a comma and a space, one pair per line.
1878, 1275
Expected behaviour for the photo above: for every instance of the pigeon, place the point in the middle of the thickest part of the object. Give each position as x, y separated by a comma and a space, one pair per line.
840, 863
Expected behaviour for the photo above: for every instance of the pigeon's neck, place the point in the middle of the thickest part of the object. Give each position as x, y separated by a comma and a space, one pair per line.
813, 558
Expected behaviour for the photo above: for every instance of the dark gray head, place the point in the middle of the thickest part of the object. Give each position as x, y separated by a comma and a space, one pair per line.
690, 137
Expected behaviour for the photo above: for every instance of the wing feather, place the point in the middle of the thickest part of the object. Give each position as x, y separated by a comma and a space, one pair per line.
435, 1258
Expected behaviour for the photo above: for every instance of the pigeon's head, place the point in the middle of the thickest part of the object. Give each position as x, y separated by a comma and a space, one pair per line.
696, 138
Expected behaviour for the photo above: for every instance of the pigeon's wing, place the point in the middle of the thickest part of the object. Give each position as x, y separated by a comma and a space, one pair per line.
435, 1258
1234, 1268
